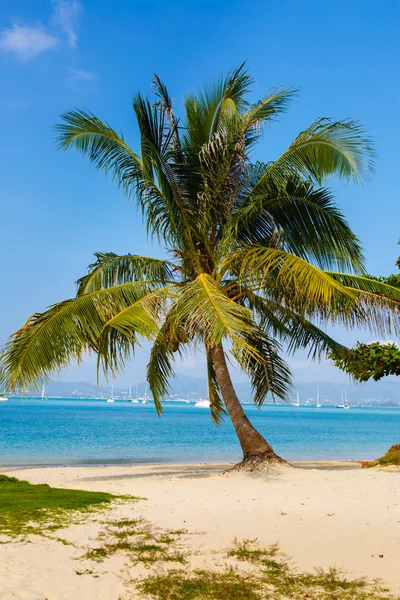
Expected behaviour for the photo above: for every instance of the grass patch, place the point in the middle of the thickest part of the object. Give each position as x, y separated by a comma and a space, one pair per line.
137, 539
271, 578
27, 508
201, 585
84, 572
392, 457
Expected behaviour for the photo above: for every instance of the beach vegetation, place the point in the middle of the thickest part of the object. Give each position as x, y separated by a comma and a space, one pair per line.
366, 361
257, 253
271, 578
374, 360
84, 572
140, 541
390, 458
26, 508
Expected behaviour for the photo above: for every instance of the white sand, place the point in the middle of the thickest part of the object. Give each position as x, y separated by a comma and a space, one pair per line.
321, 518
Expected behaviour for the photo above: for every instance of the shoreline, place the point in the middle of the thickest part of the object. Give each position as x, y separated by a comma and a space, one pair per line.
299, 464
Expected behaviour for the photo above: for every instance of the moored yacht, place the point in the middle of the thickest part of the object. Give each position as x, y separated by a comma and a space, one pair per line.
203, 403
111, 398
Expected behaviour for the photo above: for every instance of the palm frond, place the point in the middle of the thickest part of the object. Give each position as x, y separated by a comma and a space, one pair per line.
109, 269
286, 275
326, 148
65, 332
376, 308
168, 342
305, 335
166, 104
203, 110
120, 331
366, 284
268, 372
104, 147
265, 110
309, 222
202, 307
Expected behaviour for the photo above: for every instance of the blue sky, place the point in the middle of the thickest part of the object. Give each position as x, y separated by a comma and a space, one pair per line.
95, 54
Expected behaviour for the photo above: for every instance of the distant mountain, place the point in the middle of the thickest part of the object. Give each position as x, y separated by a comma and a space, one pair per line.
382, 393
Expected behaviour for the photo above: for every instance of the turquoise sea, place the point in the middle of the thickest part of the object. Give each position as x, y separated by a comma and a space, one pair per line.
77, 432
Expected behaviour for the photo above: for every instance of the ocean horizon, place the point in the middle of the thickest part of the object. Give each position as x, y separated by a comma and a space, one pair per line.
70, 432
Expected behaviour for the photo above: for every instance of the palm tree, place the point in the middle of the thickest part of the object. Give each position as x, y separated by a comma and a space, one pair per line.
258, 253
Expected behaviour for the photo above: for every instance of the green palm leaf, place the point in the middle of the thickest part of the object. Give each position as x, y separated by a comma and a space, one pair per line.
288, 276
202, 307
267, 371
119, 333
309, 224
325, 148
65, 332
111, 269
103, 146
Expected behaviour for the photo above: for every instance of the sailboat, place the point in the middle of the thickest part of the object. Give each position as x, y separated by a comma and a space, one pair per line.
318, 405
129, 396
3, 397
297, 403
135, 401
111, 398
344, 404
43, 396
145, 399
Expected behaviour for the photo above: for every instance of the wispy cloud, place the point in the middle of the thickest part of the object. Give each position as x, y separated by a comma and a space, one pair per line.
79, 75
65, 17
26, 42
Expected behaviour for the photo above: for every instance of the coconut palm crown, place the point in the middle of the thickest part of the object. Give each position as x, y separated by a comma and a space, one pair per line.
258, 253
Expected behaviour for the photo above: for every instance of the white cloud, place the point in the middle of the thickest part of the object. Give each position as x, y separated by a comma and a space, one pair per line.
66, 13
79, 75
26, 42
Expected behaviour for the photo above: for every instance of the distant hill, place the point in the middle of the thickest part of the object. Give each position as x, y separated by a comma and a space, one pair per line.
382, 393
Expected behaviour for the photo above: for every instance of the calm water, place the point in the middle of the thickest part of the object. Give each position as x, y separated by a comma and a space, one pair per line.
35, 432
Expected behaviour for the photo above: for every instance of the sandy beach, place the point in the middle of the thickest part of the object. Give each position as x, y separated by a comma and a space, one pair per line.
320, 514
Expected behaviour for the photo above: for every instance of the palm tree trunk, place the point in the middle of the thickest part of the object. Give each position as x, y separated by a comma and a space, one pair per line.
255, 447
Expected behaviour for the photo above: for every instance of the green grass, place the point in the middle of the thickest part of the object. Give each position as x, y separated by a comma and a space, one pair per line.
271, 578
27, 508
392, 456
136, 538
201, 585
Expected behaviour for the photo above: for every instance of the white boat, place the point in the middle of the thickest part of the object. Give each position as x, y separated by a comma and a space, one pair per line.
43, 396
3, 398
344, 404
135, 400
145, 397
318, 405
111, 398
203, 403
297, 403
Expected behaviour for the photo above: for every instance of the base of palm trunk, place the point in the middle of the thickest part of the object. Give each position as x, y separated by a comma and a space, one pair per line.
258, 463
